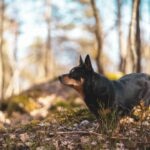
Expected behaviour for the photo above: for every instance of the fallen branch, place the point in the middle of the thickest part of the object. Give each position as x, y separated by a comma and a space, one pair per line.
120, 138
76, 132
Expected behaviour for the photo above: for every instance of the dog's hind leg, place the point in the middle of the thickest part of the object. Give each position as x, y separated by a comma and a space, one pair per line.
146, 95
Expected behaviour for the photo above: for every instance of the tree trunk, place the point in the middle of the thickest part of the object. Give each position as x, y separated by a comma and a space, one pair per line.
16, 86
98, 34
47, 54
120, 36
138, 38
47, 50
134, 37
2, 77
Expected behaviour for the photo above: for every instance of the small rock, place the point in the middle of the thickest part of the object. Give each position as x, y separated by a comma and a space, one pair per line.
84, 123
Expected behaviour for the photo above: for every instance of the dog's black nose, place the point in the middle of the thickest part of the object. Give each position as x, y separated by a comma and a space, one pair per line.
60, 77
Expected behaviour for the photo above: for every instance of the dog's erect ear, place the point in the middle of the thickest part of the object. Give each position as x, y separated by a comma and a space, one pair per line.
88, 64
81, 61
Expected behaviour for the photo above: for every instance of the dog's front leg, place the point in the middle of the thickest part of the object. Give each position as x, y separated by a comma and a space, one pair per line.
94, 110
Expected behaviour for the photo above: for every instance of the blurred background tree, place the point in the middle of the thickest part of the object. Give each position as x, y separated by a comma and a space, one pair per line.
134, 37
2, 66
44, 39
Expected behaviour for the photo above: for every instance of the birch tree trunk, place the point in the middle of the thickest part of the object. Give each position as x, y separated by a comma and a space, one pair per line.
16, 86
134, 37
14, 83
2, 68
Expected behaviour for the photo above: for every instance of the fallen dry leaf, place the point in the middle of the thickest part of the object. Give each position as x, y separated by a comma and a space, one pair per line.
24, 137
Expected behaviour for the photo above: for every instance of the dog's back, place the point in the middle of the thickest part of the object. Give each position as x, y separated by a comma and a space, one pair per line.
132, 88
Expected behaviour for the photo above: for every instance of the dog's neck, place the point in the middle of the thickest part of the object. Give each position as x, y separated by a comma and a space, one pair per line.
99, 97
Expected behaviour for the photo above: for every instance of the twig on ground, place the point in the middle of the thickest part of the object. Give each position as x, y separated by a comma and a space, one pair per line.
76, 132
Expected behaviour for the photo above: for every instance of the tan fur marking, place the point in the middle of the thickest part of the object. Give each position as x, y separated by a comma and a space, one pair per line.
77, 85
79, 88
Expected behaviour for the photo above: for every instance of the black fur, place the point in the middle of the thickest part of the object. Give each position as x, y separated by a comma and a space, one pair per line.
122, 94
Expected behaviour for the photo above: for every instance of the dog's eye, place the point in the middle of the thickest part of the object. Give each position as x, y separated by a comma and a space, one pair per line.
72, 70
74, 74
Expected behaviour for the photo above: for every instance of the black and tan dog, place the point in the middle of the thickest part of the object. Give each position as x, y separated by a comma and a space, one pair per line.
97, 90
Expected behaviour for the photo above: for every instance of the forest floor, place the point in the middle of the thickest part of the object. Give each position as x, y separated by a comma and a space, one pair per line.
53, 121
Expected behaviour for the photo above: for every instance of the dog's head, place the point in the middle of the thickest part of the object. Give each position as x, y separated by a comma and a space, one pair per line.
77, 75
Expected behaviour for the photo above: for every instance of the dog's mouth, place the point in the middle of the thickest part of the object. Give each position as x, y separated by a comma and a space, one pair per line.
66, 80
76, 84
